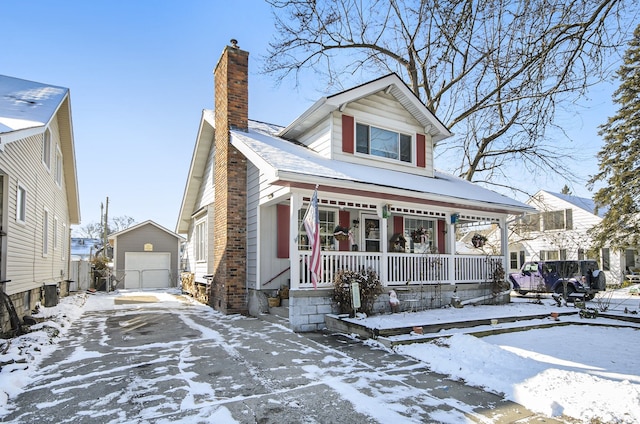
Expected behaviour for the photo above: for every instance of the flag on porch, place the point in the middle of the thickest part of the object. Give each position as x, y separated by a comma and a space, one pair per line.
312, 225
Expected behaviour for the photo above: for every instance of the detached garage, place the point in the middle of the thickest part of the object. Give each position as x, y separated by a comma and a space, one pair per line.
146, 256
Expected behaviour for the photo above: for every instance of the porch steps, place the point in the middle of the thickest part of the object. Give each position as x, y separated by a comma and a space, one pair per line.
406, 335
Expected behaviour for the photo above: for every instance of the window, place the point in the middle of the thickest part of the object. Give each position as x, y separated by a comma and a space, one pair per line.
383, 143
328, 223
58, 168
62, 245
606, 264
46, 149
558, 220
513, 260
413, 224
45, 233
200, 245
531, 222
55, 233
549, 255
21, 204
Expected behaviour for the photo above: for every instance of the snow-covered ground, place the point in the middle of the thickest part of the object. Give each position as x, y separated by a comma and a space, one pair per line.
588, 372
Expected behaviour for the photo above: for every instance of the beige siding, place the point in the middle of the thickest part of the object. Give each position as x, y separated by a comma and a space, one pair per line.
383, 111
26, 266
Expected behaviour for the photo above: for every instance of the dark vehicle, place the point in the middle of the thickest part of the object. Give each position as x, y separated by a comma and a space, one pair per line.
579, 277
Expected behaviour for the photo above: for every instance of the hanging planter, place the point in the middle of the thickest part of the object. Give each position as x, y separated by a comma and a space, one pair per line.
421, 235
341, 233
478, 240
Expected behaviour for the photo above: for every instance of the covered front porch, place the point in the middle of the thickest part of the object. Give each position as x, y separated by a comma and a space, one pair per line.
405, 245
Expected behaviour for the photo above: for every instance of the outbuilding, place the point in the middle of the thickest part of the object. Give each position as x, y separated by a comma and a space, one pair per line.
146, 256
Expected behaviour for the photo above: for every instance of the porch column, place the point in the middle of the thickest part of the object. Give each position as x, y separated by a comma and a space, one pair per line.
451, 236
383, 250
504, 243
294, 256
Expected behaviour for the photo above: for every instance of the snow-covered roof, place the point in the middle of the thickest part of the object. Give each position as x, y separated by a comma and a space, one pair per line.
27, 104
282, 160
581, 202
390, 83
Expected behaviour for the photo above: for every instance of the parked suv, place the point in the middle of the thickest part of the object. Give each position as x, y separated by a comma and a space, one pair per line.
551, 276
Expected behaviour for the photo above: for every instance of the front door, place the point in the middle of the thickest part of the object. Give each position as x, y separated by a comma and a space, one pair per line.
371, 233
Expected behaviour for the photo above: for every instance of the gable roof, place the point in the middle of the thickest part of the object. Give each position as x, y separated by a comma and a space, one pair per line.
583, 203
142, 224
27, 104
204, 143
392, 84
26, 109
287, 163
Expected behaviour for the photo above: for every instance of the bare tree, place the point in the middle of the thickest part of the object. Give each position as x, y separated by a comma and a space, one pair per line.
90, 230
494, 71
119, 223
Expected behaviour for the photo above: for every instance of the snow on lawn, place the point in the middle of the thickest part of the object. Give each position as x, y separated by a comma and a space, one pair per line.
588, 372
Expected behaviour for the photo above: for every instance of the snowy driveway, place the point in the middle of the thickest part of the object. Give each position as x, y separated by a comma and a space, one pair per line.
167, 360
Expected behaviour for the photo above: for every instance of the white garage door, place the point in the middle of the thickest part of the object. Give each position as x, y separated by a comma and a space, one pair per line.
147, 270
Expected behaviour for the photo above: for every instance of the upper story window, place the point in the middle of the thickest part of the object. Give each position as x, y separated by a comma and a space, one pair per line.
551, 220
46, 149
383, 143
58, 168
21, 204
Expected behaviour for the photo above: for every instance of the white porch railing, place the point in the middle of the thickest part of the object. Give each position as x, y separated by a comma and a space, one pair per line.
401, 268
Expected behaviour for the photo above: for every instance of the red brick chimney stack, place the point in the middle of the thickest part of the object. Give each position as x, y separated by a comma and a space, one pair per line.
231, 78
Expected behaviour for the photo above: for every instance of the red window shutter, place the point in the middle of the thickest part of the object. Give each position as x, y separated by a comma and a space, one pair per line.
398, 224
344, 220
421, 151
347, 134
442, 234
283, 231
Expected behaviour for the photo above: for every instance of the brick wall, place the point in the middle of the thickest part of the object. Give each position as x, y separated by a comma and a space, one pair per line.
228, 290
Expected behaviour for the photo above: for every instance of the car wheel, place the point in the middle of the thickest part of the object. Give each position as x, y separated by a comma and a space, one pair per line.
560, 290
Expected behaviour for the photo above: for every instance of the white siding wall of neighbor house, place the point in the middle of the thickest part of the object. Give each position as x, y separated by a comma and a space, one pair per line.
383, 111
27, 267
571, 240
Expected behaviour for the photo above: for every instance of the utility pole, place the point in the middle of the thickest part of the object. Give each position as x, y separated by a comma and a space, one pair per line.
105, 241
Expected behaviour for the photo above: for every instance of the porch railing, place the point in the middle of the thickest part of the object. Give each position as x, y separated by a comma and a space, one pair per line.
402, 268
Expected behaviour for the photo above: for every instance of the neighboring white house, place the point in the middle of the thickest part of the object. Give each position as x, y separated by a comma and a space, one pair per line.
559, 231
369, 152
38, 190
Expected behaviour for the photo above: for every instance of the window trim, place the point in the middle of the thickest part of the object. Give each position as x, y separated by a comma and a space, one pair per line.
21, 203
200, 240
45, 232
46, 149
59, 168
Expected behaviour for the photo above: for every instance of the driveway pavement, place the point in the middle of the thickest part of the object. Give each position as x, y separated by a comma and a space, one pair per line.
143, 361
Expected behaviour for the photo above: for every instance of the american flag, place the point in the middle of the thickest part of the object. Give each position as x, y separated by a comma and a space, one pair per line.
312, 225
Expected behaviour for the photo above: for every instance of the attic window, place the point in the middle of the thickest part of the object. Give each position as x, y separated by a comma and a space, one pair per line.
375, 141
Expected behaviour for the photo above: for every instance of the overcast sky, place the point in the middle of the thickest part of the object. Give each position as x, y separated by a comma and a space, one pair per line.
140, 72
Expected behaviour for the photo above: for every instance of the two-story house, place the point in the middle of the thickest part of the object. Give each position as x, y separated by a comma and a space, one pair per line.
369, 153
38, 191
559, 231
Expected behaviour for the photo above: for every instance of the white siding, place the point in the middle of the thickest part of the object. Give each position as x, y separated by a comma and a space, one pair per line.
21, 163
253, 199
318, 138
570, 240
383, 111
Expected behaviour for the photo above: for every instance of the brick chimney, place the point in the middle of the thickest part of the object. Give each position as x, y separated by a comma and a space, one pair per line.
231, 76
